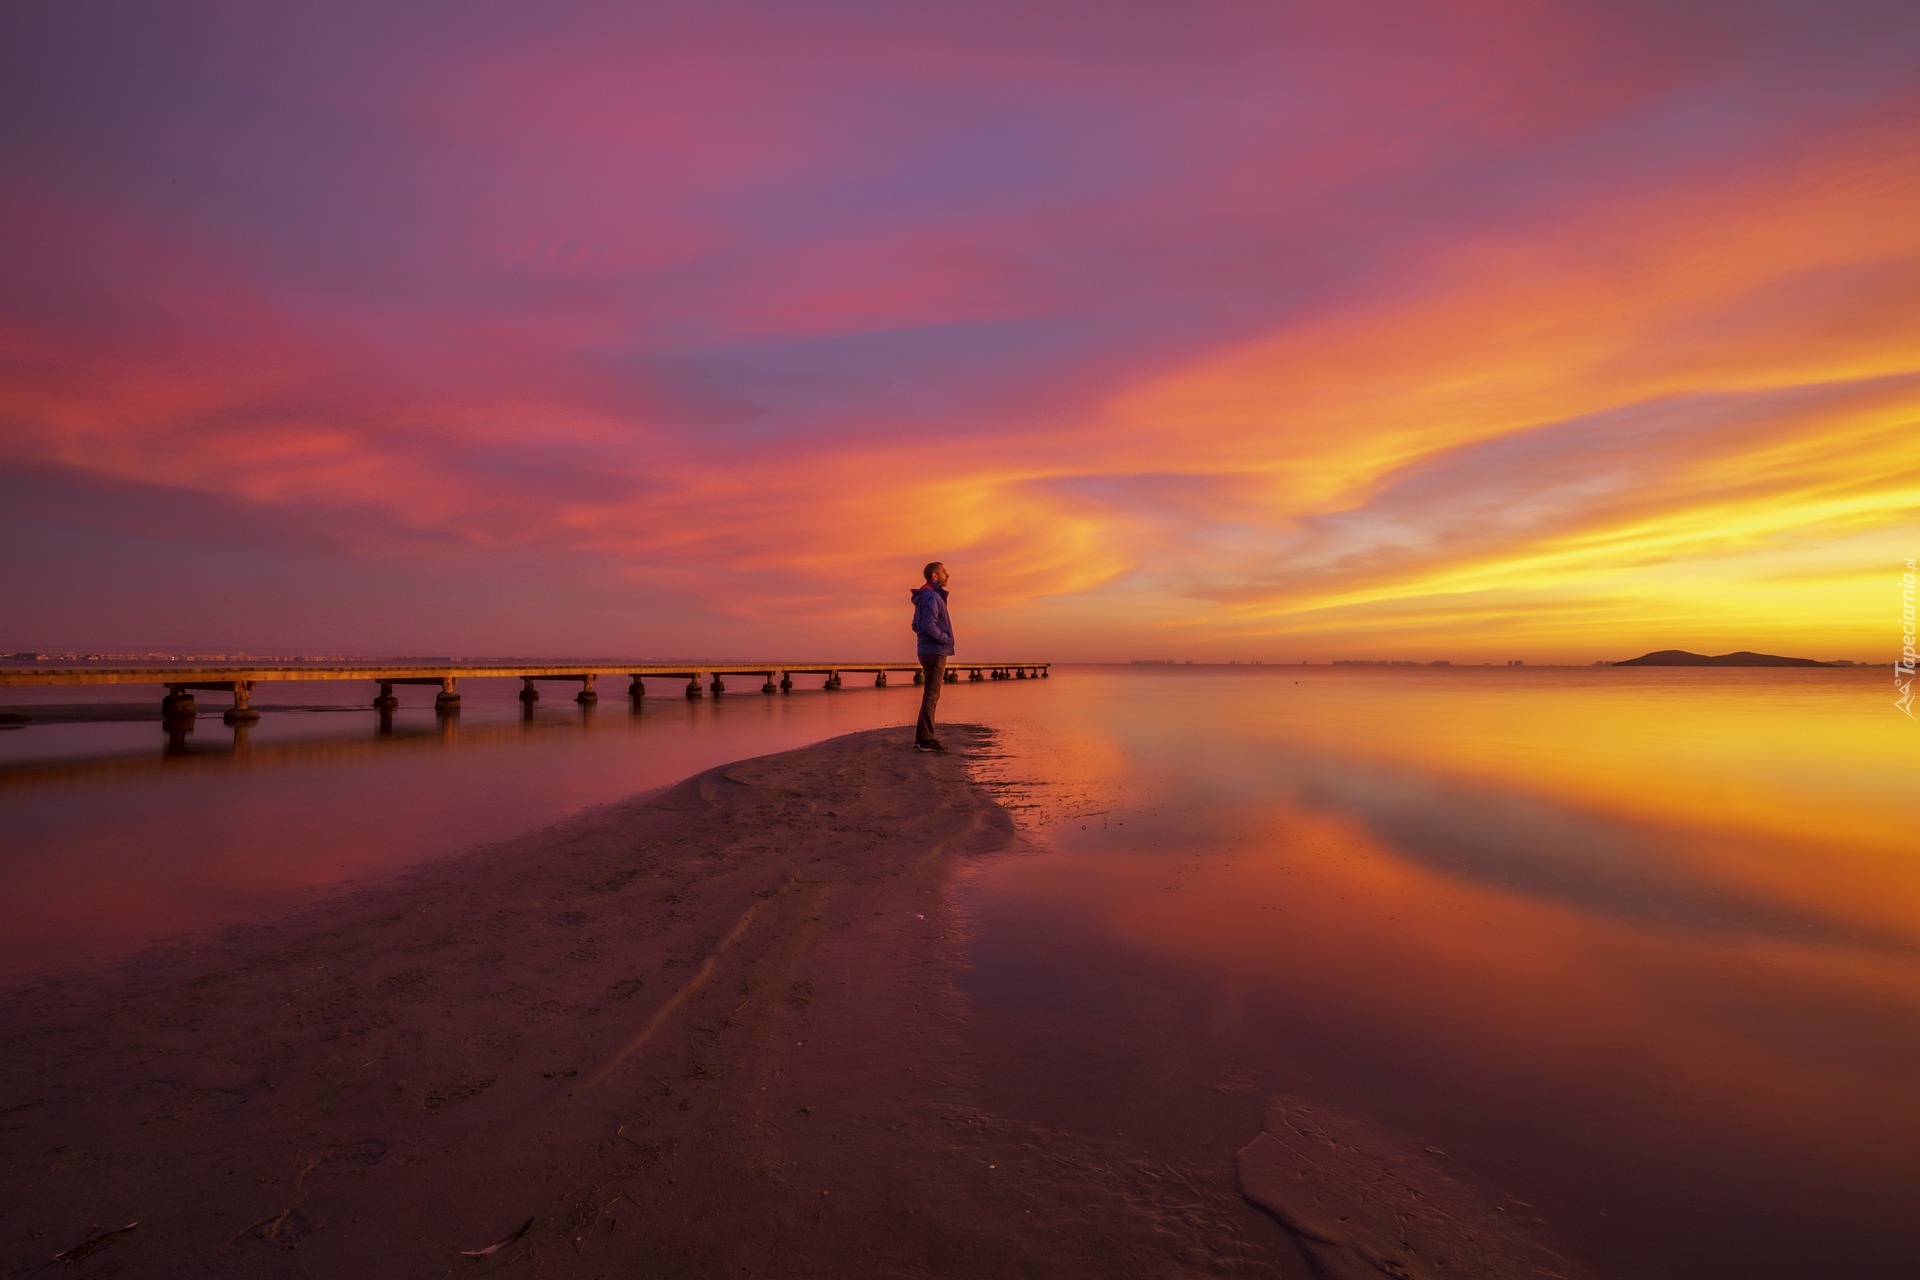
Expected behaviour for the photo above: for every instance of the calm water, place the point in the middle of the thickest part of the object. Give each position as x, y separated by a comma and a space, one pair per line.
115, 837
1639, 950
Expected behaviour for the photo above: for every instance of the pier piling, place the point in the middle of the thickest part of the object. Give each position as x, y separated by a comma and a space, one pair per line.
241, 712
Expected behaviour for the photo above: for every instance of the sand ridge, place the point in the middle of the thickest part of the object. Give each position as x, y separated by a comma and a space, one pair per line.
1364, 1204
711, 1031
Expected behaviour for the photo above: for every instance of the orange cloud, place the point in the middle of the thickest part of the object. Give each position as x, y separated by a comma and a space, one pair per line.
1749, 339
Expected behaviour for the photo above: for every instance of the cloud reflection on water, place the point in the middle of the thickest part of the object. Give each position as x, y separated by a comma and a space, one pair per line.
1516, 915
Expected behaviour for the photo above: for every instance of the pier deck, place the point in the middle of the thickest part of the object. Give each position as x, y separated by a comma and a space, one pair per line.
182, 681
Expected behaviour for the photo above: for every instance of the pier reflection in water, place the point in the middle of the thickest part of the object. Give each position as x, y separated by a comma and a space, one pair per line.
121, 832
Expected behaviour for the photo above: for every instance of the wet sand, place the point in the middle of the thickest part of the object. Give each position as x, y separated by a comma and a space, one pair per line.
1360, 1202
710, 1031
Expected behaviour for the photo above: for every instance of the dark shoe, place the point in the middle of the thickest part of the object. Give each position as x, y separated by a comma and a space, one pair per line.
932, 744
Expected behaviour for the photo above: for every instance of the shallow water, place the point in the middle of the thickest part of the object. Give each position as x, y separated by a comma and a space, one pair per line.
116, 836
1636, 953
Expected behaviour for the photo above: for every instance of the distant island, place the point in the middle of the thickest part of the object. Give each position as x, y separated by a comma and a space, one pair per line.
1681, 658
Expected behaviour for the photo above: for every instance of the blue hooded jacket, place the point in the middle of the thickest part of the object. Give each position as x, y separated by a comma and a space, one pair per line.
931, 625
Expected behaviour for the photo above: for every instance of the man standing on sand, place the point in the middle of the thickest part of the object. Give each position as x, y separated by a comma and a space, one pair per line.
934, 630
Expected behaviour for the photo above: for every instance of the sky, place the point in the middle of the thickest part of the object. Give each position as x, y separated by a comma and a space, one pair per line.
1202, 330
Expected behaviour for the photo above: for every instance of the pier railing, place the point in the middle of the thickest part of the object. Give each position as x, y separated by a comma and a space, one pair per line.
182, 682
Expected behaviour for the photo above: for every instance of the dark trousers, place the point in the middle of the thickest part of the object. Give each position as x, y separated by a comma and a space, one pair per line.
934, 668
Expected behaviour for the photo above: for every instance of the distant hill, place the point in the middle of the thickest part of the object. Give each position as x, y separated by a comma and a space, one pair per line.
1681, 658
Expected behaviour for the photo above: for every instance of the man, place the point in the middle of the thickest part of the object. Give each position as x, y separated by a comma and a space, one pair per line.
934, 631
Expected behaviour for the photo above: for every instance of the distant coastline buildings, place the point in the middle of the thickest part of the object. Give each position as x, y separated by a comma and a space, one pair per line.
1388, 662
31, 655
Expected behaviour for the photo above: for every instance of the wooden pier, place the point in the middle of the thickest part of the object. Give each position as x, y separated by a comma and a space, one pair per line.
240, 679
